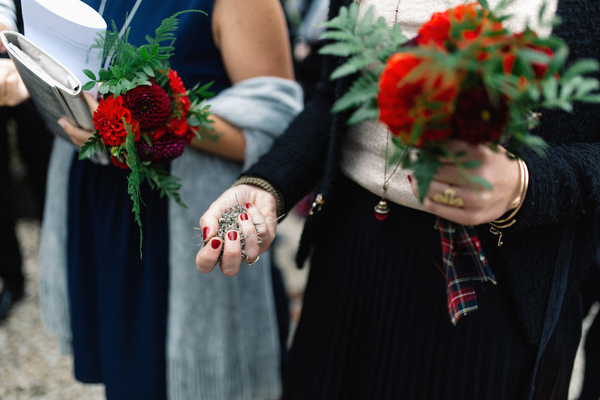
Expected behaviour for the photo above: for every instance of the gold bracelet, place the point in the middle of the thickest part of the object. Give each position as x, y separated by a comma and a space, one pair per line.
265, 185
518, 202
515, 204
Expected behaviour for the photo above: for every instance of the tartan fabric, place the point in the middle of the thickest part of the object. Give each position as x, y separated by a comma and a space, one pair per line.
464, 263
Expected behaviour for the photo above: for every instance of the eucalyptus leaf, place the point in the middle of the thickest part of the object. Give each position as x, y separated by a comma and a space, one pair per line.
88, 86
103, 74
104, 89
148, 70
144, 53
89, 74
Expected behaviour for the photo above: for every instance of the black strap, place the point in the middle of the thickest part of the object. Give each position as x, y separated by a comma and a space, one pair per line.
556, 295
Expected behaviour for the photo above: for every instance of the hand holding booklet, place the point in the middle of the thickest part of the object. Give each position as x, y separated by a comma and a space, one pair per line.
51, 56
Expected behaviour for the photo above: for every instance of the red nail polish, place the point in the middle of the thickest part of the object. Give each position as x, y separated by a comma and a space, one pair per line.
232, 235
248, 205
215, 243
244, 217
409, 178
205, 232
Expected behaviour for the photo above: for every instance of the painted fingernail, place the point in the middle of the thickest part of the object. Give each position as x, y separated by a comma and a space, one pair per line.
232, 235
409, 178
244, 217
215, 243
205, 232
248, 205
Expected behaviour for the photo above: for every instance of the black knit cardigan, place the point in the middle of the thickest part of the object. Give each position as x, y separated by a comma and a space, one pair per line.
564, 186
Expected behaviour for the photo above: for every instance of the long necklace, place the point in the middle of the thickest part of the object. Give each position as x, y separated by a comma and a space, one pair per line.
382, 209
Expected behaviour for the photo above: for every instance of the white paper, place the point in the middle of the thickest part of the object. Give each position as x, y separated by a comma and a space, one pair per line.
66, 29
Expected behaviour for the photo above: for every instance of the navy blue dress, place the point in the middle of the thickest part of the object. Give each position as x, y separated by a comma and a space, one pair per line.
118, 302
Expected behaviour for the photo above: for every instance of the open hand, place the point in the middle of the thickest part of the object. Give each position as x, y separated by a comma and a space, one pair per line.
260, 220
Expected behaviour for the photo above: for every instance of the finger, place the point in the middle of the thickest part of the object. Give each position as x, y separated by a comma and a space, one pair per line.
454, 196
209, 222
92, 102
208, 256
265, 230
459, 204
77, 135
3, 98
456, 214
251, 238
16, 92
230, 264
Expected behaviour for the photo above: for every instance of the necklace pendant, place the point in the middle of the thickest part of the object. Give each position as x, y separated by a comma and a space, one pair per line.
382, 210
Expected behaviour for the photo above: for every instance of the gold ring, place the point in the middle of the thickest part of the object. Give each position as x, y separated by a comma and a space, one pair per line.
254, 261
449, 198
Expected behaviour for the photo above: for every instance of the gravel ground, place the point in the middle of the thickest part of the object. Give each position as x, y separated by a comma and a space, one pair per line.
31, 366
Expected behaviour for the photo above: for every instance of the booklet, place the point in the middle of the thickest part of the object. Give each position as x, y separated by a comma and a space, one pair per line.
54, 89
66, 29
52, 55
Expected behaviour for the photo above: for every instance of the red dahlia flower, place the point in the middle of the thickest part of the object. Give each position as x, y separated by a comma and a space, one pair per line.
178, 126
182, 101
176, 82
167, 148
110, 118
478, 120
437, 29
473, 19
150, 105
403, 102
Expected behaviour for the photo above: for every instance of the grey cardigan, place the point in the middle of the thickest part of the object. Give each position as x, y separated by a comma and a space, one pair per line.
222, 339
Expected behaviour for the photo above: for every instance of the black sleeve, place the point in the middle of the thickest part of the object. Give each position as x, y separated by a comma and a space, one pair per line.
296, 162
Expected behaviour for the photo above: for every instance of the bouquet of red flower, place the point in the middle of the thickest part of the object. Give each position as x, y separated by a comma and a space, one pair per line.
463, 77
145, 116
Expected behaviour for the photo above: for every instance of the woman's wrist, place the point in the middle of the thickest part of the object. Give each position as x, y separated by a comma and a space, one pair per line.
508, 219
265, 185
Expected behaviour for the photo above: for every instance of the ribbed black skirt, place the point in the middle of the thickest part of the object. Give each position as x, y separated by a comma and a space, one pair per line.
375, 325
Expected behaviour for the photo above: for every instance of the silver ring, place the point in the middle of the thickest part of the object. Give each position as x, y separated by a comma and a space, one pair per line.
254, 261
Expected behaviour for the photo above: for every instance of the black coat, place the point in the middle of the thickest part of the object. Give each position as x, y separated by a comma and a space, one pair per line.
565, 186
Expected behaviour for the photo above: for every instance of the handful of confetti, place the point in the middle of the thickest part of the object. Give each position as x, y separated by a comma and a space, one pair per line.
229, 222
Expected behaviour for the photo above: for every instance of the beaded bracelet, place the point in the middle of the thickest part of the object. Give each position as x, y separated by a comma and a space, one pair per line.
265, 185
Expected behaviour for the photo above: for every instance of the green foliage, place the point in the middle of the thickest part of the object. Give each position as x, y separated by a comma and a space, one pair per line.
135, 178
129, 65
93, 146
159, 178
365, 46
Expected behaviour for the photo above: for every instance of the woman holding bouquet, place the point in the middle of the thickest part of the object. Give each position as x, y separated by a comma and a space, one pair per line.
375, 322
153, 328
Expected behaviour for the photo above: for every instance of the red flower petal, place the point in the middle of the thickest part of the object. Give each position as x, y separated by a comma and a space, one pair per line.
110, 118
149, 104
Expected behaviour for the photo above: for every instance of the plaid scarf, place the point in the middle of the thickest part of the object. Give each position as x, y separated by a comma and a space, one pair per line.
464, 263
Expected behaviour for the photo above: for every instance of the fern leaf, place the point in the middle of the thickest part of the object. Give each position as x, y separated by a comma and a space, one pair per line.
93, 146
134, 179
